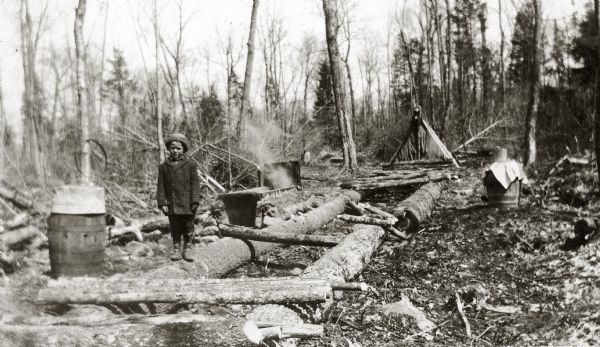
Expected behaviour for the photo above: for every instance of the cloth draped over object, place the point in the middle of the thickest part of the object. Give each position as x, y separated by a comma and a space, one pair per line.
507, 172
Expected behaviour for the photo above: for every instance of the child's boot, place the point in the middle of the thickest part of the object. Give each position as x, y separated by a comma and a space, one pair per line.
176, 255
186, 252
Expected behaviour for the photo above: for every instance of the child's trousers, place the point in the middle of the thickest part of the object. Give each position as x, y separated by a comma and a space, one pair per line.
181, 225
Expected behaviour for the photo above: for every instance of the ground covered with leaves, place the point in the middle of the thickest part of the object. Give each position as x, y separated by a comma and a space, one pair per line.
508, 266
518, 284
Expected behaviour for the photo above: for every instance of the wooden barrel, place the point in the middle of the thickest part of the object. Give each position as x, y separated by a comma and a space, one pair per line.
500, 197
77, 231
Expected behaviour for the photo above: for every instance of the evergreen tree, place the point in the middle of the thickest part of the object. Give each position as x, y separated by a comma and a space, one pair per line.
521, 54
324, 108
585, 49
119, 88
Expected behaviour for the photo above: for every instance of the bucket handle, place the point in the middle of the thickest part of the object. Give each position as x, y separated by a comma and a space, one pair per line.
75, 155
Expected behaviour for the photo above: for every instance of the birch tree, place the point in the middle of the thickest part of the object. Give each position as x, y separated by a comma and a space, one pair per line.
339, 92
249, 65
83, 116
158, 108
533, 97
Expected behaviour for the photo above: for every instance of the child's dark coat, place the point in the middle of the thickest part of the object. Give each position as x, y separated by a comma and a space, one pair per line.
178, 186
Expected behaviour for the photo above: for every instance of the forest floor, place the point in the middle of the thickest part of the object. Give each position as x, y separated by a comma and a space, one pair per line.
518, 285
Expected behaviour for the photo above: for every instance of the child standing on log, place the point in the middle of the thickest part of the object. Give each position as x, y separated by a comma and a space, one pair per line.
178, 194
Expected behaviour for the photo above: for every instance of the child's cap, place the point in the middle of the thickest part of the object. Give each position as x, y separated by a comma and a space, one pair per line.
180, 138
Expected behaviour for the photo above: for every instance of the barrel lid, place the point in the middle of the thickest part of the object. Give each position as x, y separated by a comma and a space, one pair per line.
79, 199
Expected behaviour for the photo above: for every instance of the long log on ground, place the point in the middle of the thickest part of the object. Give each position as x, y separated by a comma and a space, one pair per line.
246, 233
343, 261
347, 259
224, 291
430, 177
11, 238
366, 220
218, 258
214, 333
103, 320
16, 198
417, 208
382, 178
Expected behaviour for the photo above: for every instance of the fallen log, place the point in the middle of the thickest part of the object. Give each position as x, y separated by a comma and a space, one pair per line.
347, 259
194, 333
430, 177
17, 221
417, 207
133, 229
218, 258
11, 238
246, 233
102, 320
366, 220
15, 197
341, 262
378, 211
222, 291
139, 226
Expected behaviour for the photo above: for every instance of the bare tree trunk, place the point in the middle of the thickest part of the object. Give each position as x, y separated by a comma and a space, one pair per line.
501, 53
33, 117
597, 116
2, 129
534, 89
249, 64
159, 126
448, 110
86, 169
339, 93
484, 60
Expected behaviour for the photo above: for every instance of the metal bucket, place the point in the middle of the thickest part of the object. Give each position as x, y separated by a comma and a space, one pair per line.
77, 231
500, 197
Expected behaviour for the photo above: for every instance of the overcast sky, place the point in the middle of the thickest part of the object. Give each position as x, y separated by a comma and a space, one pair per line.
210, 22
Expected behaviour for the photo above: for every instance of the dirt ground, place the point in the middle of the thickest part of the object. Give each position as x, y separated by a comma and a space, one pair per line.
518, 286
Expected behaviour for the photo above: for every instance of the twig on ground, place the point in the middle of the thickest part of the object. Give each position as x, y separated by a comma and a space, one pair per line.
461, 313
479, 336
426, 331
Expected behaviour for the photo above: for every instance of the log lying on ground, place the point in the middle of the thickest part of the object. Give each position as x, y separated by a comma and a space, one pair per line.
15, 197
17, 221
221, 291
12, 238
366, 220
378, 211
218, 258
139, 226
102, 320
195, 333
430, 177
246, 233
417, 207
347, 259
